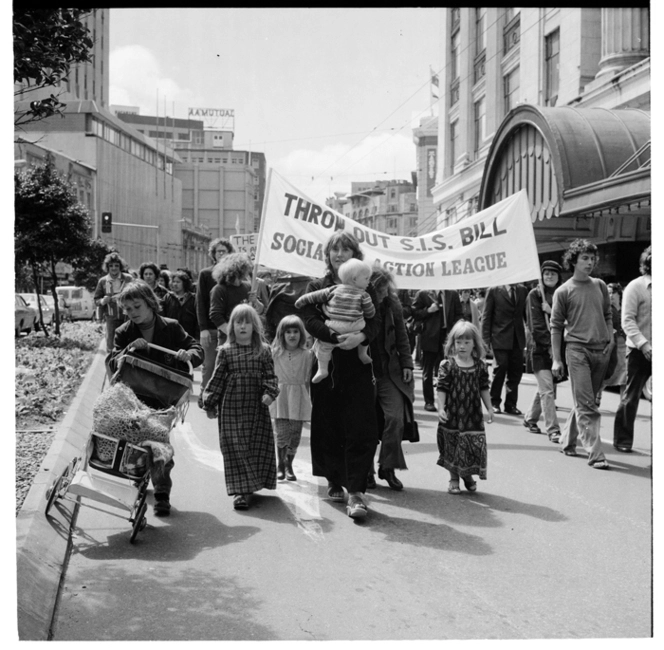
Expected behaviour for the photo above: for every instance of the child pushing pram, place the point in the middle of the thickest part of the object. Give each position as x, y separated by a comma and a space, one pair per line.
144, 326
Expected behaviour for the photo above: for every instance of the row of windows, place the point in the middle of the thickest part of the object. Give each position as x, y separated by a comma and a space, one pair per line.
511, 37
129, 144
202, 159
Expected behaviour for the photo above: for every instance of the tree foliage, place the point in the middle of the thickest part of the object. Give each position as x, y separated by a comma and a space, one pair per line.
50, 224
47, 42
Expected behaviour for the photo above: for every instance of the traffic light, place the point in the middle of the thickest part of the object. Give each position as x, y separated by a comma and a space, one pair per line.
106, 221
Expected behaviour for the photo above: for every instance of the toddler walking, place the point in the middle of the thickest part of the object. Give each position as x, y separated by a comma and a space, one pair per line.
292, 364
242, 387
463, 384
346, 305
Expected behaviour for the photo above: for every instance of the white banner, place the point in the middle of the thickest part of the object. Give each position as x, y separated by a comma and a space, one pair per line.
492, 247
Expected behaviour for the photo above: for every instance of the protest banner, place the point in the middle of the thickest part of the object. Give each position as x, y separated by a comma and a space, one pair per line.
245, 244
492, 247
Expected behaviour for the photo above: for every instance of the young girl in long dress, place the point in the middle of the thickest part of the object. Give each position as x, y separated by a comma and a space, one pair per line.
463, 384
293, 362
243, 385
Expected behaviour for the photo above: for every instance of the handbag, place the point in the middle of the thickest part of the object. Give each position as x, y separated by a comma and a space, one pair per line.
411, 431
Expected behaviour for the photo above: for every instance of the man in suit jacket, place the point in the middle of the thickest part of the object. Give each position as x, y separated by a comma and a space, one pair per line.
438, 311
503, 329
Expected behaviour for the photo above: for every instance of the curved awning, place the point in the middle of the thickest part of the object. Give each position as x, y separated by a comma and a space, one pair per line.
571, 161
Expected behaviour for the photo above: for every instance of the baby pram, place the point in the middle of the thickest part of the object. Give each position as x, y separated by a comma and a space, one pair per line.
115, 471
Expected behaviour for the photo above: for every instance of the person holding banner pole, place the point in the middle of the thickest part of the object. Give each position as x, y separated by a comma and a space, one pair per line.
344, 428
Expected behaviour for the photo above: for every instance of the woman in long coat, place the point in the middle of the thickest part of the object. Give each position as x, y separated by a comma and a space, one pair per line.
393, 370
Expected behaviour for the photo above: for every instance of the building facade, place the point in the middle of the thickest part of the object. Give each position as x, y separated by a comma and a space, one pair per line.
425, 137
386, 206
131, 174
222, 188
515, 79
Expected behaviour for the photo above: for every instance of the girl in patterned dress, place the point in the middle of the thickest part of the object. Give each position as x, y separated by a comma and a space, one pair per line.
292, 363
243, 385
463, 384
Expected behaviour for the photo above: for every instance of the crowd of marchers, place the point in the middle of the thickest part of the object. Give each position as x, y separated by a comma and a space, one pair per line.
339, 352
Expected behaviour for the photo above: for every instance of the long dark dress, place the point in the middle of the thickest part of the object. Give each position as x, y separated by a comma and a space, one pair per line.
461, 440
344, 431
246, 438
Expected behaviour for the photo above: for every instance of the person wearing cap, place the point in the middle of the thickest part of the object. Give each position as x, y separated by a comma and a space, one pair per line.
538, 313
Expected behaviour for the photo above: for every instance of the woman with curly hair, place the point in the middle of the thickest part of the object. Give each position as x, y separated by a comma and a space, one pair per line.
233, 287
180, 303
149, 272
106, 294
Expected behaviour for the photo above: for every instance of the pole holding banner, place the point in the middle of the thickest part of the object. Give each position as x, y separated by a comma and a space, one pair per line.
261, 228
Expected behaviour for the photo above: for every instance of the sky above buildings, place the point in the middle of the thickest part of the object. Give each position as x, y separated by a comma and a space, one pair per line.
329, 96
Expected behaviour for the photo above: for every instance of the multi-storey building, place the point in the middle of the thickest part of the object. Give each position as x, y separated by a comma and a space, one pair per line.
555, 101
222, 188
131, 174
387, 206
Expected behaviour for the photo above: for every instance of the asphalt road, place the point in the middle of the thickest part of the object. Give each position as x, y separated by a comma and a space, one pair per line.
548, 548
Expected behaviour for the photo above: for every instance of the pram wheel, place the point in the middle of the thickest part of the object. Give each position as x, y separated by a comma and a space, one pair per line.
138, 514
61, 484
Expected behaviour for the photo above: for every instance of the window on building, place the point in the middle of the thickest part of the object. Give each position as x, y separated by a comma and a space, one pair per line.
454, 56
198, 137
480, 30
511, 89
393, 193
454, 143
552, 67
511, 29
479, 117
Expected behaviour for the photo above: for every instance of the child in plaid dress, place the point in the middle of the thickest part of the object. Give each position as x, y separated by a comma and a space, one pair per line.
463, 384
243, 385
293, 362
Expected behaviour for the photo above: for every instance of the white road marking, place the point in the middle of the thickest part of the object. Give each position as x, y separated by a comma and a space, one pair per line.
301, 498
183, 437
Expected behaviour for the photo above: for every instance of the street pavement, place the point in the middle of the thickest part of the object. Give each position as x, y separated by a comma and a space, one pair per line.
547, 548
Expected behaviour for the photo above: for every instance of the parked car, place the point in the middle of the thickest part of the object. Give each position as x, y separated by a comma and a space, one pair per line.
48, 313
79, 301
24, 316
63, 309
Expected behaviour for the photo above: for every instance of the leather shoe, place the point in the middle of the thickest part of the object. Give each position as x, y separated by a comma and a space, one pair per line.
625, 450
429, 407
392, 480
496, 408
512, 410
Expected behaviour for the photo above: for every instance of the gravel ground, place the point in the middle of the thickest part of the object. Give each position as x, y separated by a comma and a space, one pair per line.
31, 448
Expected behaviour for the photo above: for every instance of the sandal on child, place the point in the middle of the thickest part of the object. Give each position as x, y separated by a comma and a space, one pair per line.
453, 487
240, 502
470, 484
599, 464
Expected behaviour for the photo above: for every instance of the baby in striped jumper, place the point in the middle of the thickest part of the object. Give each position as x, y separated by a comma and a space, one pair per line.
346, 305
